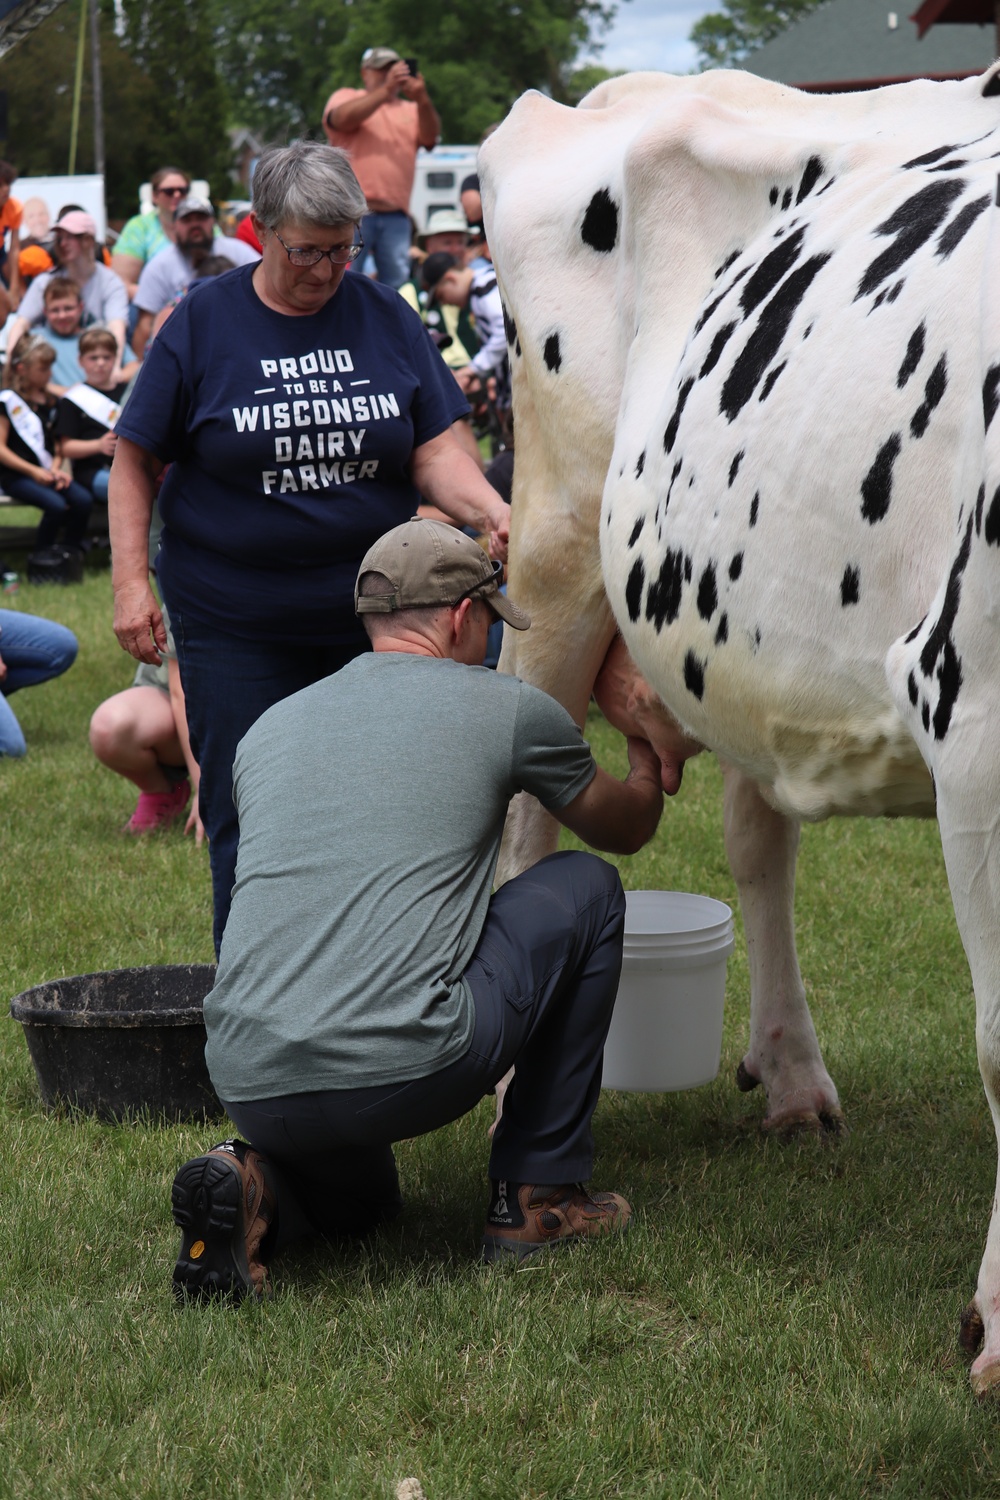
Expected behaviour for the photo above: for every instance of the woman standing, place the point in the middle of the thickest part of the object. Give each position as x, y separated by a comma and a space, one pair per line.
303, 413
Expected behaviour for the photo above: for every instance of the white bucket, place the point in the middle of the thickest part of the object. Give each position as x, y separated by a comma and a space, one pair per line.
666, 1031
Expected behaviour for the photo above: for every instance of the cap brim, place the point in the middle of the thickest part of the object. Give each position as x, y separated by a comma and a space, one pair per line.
505, 609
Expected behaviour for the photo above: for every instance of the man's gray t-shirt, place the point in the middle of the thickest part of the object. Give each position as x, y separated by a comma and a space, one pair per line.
371, 810
166, 275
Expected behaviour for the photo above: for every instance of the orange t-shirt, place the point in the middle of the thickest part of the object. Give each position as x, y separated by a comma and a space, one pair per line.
383, 150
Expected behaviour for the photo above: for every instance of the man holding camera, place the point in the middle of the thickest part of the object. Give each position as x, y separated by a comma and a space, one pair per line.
381, 126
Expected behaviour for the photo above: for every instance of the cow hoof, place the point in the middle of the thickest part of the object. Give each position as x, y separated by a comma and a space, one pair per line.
970, 1329
745, 1081
985, 1375
827, 1124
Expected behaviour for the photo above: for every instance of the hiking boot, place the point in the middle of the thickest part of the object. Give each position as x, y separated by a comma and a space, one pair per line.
525, 1218
224, 1208
158, 809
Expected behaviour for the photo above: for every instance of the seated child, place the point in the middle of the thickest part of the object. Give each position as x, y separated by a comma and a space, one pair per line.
28, 471
141, 733
65, 320
87, 412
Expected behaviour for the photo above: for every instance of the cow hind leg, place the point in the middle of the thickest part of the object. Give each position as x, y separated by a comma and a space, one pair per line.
783, 1052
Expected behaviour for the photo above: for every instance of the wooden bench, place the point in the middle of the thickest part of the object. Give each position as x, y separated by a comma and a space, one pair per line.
19, 526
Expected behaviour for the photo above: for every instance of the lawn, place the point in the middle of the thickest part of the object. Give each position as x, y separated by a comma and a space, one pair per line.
780, 1322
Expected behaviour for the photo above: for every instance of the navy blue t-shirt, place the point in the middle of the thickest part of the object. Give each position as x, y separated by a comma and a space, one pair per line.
288, 440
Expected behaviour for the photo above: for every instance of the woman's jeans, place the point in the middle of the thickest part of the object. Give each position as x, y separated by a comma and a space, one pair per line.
33, 650
228, 683
544, 976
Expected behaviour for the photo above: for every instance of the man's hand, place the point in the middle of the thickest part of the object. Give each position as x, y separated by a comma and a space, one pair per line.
619, 816
3, 670
413, 88
644, 768
396, 79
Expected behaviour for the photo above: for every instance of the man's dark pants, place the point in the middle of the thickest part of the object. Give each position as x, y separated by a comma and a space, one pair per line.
544, 978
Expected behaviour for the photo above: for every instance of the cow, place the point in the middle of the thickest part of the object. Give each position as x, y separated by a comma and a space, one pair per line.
756, 366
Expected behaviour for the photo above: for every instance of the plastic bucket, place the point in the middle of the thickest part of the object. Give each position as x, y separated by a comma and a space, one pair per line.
123, 1041
666, 1031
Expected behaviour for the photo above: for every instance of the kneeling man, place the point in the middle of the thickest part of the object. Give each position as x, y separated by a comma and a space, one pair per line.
369, 987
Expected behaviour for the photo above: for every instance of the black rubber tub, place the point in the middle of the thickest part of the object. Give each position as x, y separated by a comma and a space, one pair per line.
122, 1042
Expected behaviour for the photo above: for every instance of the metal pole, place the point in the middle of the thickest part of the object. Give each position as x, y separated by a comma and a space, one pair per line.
77, 87
95, 65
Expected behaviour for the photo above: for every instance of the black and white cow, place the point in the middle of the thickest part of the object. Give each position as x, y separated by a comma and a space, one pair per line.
756, 368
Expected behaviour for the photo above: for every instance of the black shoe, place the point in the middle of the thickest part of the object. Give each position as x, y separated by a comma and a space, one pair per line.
224, 1208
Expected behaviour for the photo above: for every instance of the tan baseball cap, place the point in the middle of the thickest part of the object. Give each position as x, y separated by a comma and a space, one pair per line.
433, 566
378, 58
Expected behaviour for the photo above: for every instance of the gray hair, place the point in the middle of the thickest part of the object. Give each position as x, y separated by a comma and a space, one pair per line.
307, 182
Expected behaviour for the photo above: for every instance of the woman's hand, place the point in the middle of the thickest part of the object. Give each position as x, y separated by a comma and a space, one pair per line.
194, 824
498, 538
43, 476
60, 479
139, 621
448, 478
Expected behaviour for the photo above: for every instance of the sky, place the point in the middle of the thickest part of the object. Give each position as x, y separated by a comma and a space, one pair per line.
653, 34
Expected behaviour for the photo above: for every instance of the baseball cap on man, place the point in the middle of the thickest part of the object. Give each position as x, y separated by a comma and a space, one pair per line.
444, 221
378, 58
193, 204
433, 566
78, 222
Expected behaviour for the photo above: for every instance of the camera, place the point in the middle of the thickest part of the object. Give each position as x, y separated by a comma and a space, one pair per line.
411, 63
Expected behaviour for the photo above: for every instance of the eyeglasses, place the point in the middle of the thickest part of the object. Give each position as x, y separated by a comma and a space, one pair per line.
173, 192
340, 255
496, 577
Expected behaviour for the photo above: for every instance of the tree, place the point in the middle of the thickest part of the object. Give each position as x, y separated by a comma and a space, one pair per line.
726, 38
174, 44
160, 104
38, 78
275, 62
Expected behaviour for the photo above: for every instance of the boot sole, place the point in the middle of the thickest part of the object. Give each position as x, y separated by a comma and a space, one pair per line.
207, 1203
496, 1249
495, 1252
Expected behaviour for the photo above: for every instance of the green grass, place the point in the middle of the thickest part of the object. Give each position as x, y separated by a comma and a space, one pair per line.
781, 1321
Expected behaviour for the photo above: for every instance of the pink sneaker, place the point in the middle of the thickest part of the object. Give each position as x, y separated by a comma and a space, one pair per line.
158, 809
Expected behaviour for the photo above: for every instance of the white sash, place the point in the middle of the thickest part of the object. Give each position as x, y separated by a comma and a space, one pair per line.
94, 403
28, 426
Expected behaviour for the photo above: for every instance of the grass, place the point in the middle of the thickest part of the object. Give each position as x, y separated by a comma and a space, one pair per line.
781, 1322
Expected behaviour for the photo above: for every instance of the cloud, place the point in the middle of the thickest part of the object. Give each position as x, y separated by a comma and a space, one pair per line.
651, 34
